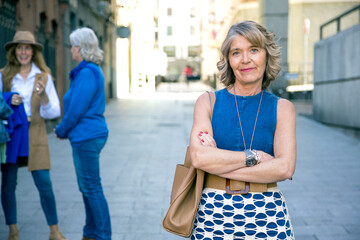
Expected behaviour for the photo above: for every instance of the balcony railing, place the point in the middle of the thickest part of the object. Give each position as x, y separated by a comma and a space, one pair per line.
338, 20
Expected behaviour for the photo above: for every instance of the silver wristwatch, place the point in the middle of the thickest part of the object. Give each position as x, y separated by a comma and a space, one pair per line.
252, 157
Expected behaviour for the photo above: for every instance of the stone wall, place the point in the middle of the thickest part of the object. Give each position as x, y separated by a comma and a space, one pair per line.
336, 95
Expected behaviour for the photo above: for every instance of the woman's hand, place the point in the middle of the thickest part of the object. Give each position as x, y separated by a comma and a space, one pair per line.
57, 135
16, 99
206, 139
40, 88
264, 156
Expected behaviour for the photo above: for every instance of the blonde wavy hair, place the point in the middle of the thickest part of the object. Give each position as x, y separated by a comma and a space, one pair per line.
86, 39
12, 66
259, 37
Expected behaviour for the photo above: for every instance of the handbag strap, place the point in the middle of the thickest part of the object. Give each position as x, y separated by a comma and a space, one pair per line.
212, 97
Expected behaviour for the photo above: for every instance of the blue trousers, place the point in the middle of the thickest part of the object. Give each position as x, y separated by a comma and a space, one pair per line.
43, 184
86, 160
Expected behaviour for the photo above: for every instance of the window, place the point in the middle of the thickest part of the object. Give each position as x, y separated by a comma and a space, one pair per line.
193, 51
72, 21
170, 51
192, 30
169, 31
192, 12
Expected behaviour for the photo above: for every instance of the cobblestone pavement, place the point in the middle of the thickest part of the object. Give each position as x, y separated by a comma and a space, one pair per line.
149, 135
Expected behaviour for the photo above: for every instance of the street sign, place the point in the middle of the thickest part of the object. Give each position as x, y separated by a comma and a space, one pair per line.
123, 32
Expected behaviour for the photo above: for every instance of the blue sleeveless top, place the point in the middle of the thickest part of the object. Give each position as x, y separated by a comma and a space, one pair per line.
226, 127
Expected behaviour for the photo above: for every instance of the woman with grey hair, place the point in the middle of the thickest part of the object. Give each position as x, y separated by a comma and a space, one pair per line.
247, 146
85, 126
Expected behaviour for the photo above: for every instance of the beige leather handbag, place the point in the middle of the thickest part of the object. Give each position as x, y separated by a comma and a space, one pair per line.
185, 195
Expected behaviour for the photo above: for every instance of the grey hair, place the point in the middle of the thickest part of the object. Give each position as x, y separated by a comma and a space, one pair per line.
86, 39
259, 37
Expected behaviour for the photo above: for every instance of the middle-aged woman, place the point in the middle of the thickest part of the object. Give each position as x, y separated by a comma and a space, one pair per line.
28, 88
84, 124
247, 146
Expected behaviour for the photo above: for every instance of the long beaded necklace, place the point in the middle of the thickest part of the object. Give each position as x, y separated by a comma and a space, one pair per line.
257, 115
247, 184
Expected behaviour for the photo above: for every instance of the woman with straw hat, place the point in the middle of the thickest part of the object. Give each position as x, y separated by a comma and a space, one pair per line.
28, 88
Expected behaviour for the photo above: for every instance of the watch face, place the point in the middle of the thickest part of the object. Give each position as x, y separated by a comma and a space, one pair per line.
251, 162
252, 158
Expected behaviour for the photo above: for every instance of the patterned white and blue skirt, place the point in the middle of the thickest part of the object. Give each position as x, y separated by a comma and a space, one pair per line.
250, 216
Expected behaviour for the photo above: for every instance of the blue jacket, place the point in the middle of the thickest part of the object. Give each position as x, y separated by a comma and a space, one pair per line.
18, 129
84, 105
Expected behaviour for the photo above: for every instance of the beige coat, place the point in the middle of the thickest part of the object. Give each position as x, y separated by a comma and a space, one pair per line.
39, 154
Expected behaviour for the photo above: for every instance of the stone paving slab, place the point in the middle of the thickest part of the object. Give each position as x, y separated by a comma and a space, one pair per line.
148, 137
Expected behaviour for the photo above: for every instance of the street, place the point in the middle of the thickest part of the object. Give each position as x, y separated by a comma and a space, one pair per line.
148, 137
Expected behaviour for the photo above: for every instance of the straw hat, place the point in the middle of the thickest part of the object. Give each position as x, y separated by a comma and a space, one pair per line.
24, 37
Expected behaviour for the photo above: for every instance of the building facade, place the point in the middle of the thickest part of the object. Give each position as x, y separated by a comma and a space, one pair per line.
7, 26
301, 41
179, 36
52, 22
